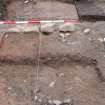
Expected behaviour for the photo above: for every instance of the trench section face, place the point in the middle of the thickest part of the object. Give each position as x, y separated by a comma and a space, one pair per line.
91, 10
56, 9
74, 77
75, 81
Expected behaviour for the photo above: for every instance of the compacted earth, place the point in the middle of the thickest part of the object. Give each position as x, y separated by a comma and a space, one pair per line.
59, 68
45, 69
40, 9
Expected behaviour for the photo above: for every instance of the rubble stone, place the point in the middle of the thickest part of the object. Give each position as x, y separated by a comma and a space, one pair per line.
47, 28
67, 27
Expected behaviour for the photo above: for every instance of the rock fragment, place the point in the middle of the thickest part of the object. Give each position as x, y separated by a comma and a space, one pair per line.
9, 88
67, 27
57, 102
104, 39
52, 84
67, 34
36, 98
50, 102
61, 75
100, 39
68, 101
47, 28
86, 31
62, 35
27, 1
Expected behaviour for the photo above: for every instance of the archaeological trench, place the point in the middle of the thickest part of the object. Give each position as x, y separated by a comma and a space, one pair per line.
52, 63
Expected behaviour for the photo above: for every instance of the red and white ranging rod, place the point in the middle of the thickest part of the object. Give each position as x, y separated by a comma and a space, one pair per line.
39, 21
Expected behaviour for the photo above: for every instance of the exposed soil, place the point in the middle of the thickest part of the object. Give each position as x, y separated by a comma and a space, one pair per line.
95, 12
32, 10
68, 68
71, 65
80, 82
16, 85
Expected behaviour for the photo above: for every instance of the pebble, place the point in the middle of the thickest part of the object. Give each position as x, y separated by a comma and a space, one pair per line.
52, 84
27, 1
100, 39
67, 34
86, 31
50, 101
9, 88
104, 39
6, 35
36, 98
